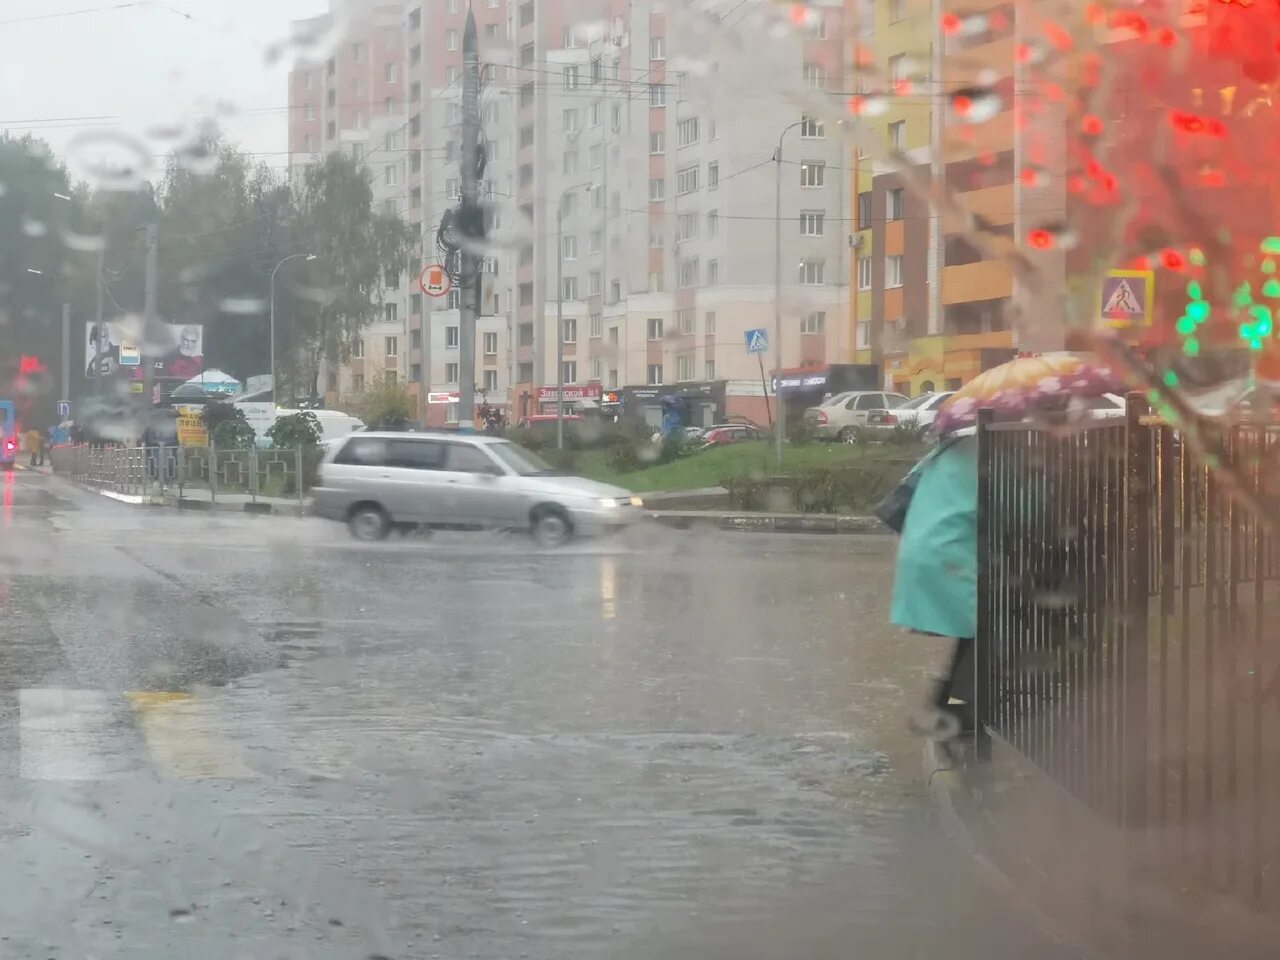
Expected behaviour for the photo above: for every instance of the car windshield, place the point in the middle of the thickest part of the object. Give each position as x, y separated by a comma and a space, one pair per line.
524, 462
917, 403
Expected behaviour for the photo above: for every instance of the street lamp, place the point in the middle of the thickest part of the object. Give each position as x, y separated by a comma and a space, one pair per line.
780, 418
560, 312
275, 396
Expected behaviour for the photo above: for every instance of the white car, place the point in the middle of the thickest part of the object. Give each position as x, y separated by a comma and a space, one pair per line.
922, 409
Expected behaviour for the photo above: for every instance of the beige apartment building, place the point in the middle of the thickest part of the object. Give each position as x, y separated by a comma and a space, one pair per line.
660, 156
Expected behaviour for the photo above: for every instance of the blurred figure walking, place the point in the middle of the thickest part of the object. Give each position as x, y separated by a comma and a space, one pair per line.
35, 446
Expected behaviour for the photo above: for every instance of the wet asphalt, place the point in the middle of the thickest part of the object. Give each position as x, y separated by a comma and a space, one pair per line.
228, 736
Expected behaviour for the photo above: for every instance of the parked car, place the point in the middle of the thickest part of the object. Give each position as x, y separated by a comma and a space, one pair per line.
840, 417
722, 433
376, 481
922, 409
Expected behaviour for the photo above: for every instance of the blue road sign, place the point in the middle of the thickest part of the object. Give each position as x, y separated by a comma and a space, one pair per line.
64, 409
757, 340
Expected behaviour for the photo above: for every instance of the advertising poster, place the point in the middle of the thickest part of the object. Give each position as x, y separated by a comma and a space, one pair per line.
115, 351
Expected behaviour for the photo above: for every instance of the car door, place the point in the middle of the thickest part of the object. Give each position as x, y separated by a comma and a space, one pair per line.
473, 485
414, 473
863, 404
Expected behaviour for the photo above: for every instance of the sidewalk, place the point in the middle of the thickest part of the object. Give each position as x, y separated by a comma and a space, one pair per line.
199, 498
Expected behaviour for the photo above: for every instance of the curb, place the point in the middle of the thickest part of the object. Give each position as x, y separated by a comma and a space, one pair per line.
770, 522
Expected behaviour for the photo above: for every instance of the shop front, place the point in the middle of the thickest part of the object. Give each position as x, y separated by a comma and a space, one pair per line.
577, 397
803, 387
944, 362
705, 403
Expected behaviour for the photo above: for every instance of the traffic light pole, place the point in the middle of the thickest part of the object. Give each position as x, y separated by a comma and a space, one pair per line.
469, 271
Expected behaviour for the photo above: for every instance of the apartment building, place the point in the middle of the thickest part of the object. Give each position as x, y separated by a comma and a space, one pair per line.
609, 120
938, 310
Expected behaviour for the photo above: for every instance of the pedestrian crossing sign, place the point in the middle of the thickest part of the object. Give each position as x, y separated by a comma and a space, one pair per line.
1127, 298
757, 340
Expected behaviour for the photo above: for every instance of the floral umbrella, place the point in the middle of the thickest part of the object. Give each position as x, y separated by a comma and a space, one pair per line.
1026, 384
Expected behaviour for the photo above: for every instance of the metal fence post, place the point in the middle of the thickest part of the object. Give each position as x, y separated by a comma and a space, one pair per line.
181, 467
983, 708
253, 473
1137, 533
213, 471
297, 460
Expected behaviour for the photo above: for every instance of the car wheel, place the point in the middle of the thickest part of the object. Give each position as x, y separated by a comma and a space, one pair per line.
551, 527
848, 435
369, 522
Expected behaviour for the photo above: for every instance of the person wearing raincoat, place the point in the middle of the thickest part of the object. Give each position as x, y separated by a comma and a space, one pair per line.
935, 587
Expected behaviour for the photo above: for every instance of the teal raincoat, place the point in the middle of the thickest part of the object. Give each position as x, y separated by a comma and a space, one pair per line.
935, 589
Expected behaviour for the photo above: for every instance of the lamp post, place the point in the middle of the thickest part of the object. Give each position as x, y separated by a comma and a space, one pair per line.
275, 396
781, 418
560, 312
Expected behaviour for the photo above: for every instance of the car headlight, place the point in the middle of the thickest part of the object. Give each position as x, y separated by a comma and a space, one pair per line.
637, 502
608, 502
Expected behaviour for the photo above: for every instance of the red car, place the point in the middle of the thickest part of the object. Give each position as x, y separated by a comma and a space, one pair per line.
730, 433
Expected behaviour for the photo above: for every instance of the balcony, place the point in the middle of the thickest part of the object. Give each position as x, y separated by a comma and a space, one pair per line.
985, 280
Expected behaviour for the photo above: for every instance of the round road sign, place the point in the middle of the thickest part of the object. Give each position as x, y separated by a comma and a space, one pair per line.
434, 281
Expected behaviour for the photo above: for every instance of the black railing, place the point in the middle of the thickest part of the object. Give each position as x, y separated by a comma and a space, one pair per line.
1123, 639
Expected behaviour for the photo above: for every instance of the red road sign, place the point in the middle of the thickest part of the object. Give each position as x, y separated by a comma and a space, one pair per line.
434, 281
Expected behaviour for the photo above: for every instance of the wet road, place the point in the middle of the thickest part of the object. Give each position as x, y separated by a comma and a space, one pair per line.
242, 736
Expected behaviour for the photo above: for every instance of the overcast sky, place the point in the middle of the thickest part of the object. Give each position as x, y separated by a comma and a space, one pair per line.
145, 64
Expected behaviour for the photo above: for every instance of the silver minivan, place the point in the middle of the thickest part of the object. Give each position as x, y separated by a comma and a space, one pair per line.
375, 481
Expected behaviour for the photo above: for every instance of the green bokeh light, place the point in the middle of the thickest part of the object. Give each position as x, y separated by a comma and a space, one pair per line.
1198, 311
1271, 245
1170, 378
1191, 347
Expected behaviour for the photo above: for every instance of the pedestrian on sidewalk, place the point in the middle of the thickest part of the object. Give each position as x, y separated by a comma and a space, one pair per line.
935, 588
35, 446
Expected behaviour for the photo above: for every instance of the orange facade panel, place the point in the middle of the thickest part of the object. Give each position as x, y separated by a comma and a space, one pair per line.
984, 280
993, 203
894, 237
964, 142
966, 67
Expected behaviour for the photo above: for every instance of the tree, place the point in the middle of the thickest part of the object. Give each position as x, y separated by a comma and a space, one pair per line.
359, 250
387, 405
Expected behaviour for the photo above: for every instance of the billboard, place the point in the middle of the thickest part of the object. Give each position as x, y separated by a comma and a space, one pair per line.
119, 354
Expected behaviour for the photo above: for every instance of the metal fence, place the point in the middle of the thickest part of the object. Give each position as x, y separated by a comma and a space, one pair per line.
1123, 644
204, 473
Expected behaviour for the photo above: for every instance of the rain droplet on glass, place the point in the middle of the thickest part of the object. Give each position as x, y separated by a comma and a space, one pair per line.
975, 104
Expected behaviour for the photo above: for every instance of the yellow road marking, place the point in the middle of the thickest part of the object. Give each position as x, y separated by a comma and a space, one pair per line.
182, 736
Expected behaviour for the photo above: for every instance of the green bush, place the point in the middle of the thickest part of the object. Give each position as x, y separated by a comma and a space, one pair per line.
228, 428
296, 430
854, 488
387, 405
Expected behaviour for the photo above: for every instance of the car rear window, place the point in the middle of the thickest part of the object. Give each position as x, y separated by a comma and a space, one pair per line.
363, 451
415, 454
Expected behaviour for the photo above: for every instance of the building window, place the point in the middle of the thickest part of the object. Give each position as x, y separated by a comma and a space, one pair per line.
453, 299
713, 223
357, 350
896, 203
687, 131
815, 321
595, 283
657, 190
597, 324
686, 180
415, 91
526, 294
685, 320
490, 380
330, 130
657, 48
415, 373
597, 71
657, 239
713, 175
864, 335
684, 366
597, 240
689, 271
657, 94
392, 73
654, 328
309, 143
451, 372
686, 227
415, 338
709, 370
310, 112
571, 77
569, 248
595, 156
893, 271
392, 343
357, 382
815, 75
452, 75
864, 210
570, 330
525, 372
357, 52
811, 272
570, 121
713, 272
597, 368
812, 173
451, 337
570, 288
710, 323
389, 376
452, 188
897, 68
490, 344
392, 175
569, 371
812, 223
656, 281
451, 39
898, 134
615, 291
897, 10
812, 128
570, 37
864, 273
654, 374
657, 142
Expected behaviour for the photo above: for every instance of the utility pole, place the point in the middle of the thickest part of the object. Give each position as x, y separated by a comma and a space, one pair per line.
780, 421
150, 322
98, 328
469, 270
560, 323
66, 352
